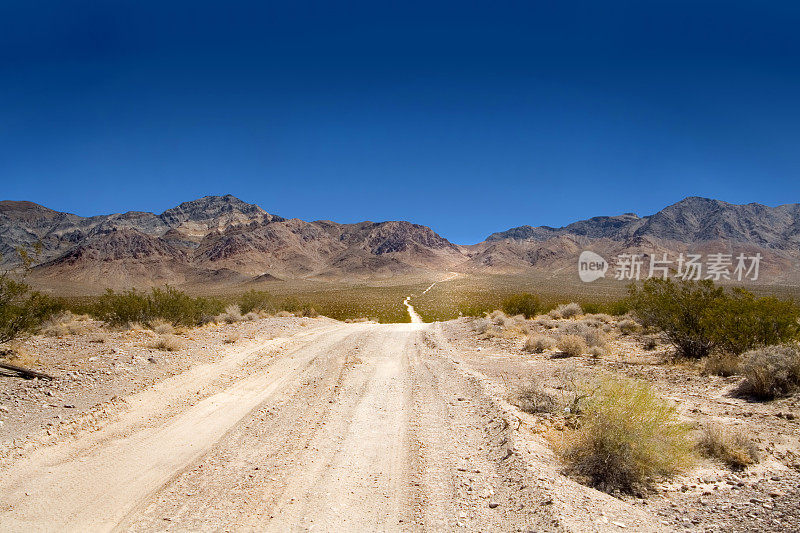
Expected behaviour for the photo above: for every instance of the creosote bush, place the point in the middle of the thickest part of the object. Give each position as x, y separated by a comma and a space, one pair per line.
254, 300
22, 311
525, 304
627, 438
772, 371
167, 304
729, 445
699, 318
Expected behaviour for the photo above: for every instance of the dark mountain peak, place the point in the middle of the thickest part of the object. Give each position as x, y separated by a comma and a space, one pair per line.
211, 207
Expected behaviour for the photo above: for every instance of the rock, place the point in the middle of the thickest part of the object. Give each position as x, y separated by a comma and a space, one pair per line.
492, 505
69, 406
776, 493
152, 359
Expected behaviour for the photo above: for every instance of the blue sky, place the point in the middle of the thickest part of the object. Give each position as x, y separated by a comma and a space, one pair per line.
467, 117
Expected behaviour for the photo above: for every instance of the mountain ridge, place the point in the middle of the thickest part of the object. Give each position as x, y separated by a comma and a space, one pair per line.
225, 239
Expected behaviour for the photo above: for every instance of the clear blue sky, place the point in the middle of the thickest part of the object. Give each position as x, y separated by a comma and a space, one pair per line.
467, 117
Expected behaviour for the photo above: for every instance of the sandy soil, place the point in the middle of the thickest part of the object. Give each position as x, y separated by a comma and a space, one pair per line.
305, 424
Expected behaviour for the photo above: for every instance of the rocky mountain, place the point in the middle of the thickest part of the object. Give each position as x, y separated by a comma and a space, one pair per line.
221, 239
213, 239
696, 225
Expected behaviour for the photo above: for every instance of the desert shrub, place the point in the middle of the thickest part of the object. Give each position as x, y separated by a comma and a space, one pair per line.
573, 328
569, 310
525, 304
650, 343
532, 398
480, 325
591, 307
772, 371
618, 308
601, 317
597, 351
722, 364
498, 318
231, 314
627, 438
254, 300
595, 338
627, 326
728, 445
308, 311
63, 323
554, 314
571, 345
251, 316
283, 314
545, 322
592, 322
538, 343
166, 343
22, 311
161, 326
167, 304
698, 317
743, 322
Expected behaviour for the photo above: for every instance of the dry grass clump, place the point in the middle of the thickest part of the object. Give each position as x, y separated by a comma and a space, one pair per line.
283, 314
480, 325
650, 343
773, 370
627, 326
165, 343
722, 364
539, 343
162, 327
251, 316
571, 345
531, 398
545, 322
597, 351
601, 317
729, 445
499, 318
64, 323
592, 336
627, 437
595, 338
231, 315
232, 338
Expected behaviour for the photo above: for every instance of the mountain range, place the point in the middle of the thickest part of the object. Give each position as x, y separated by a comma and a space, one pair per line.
226, 241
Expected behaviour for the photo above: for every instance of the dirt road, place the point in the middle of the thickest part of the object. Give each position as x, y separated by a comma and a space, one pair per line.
349, 427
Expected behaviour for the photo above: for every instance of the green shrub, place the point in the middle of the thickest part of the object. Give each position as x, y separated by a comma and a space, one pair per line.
743, 322
525, 304
168, 304
627, 437
772, 371
22, 311
699, 318
254, 300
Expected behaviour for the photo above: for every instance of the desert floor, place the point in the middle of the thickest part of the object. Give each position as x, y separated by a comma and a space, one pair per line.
294, 424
